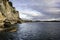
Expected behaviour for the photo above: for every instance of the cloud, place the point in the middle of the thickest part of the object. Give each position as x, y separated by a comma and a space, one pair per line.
52, 6
23, 16
31, 12
38, 9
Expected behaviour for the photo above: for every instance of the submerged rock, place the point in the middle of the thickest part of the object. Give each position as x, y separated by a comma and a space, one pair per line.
8, 13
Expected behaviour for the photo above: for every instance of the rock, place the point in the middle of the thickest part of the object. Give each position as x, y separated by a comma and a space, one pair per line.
2, 18
8, 13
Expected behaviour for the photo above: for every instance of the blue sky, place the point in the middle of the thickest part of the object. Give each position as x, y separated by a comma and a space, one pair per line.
38, 9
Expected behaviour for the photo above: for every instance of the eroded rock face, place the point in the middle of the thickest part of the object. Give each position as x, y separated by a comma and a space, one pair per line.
8, 12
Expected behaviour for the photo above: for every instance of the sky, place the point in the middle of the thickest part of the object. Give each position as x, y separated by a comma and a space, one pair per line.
38, 9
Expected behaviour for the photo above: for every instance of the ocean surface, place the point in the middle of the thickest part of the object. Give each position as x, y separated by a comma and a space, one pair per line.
34, 31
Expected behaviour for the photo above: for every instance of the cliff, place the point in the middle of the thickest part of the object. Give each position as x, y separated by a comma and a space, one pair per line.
8, 13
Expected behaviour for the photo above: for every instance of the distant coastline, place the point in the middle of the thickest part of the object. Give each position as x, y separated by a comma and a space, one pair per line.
41, 21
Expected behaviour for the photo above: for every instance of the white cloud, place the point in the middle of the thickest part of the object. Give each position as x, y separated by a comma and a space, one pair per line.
52, 10
31, 12
52, 6
38, 9
23, 16
50, 2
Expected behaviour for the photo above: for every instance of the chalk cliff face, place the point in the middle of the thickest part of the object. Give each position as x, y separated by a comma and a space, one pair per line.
8, 12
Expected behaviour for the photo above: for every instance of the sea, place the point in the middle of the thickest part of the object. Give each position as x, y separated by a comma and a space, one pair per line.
33, 31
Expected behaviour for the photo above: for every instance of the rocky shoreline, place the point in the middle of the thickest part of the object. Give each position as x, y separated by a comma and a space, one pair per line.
8, 14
